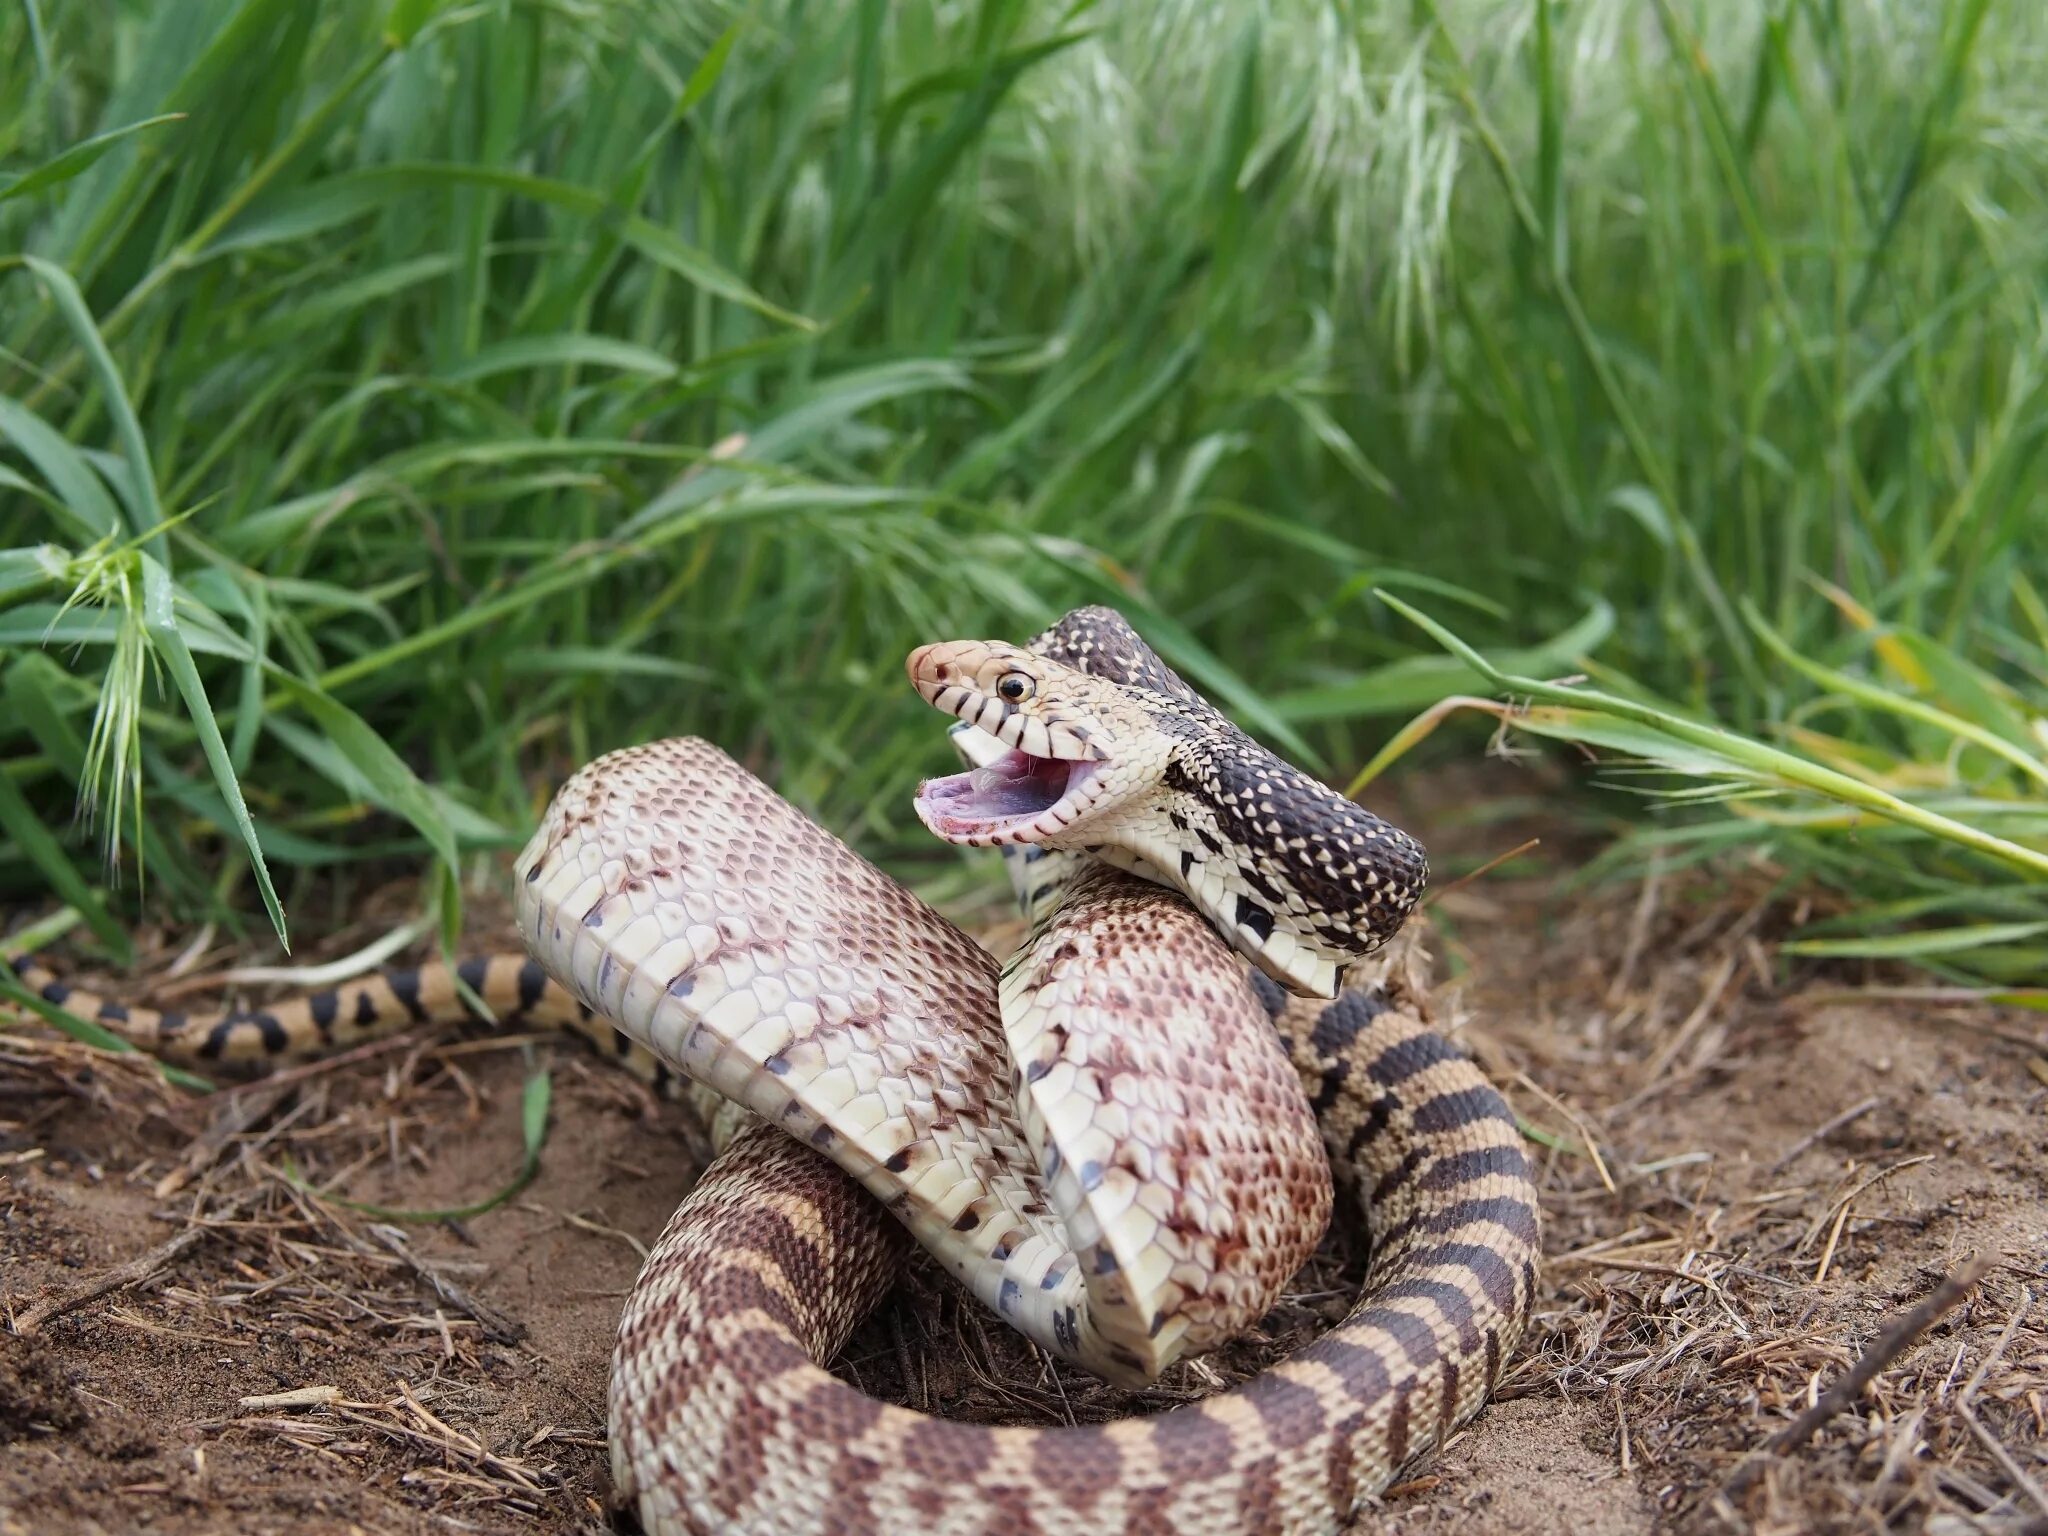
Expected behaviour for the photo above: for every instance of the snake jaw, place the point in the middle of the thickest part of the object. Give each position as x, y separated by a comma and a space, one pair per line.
1014, 797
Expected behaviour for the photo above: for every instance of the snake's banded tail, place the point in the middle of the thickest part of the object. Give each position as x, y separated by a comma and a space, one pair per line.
518, 993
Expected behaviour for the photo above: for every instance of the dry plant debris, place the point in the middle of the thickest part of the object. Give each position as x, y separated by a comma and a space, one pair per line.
1747, 1192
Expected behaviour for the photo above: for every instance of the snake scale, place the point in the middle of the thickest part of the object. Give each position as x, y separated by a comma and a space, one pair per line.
1122, 1140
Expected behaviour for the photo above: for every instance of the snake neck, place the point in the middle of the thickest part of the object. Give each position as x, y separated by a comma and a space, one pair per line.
1301, 881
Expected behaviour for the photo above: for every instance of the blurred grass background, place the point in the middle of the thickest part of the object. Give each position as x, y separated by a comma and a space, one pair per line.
402, 402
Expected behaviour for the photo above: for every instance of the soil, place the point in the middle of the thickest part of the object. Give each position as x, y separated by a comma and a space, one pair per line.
1708, 1274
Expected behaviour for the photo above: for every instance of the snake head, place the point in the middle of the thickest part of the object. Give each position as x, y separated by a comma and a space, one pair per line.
1150, 778
1045, 738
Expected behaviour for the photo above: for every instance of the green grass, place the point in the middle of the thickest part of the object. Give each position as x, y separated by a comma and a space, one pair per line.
400, 403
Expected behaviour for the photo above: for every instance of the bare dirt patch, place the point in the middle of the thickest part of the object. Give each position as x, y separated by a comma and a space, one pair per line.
301, 1365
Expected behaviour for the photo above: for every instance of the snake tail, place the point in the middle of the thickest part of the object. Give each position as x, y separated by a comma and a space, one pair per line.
512, 985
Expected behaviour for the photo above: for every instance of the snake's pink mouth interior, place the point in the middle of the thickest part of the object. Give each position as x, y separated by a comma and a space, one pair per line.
1017, 798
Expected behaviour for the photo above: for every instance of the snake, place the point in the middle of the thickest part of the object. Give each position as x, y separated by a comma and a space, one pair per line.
1123, 1140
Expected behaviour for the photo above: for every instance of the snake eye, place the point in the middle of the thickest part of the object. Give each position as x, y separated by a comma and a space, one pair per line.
1014, 686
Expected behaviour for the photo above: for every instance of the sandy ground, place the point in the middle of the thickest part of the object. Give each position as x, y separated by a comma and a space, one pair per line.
1708, 1273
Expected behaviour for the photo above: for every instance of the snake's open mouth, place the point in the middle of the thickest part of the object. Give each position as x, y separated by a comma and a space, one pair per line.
1011, 798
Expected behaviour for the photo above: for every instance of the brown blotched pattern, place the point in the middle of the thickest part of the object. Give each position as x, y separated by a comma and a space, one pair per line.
722, 1417
723, 1421
1193, 1181
1048, 1139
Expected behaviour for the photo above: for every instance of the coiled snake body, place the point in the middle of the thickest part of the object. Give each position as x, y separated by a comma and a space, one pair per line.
1121, 1141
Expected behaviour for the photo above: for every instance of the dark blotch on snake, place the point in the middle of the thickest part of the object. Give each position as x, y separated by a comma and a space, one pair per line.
1254, 919
1271, 995
1291, 1412
1344, 1021
1364, 1372
405, 986
1454, 1111
1448, 1405
1411, 1058
1511, 1215
1064, 1331
1331, 1088
1185, 1445
1373, 1125
1477, 1163
275, 1040
1399, 1174
1397, 1427
533, 981
1453, 1304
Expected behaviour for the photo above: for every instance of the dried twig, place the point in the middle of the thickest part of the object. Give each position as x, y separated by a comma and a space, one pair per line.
326, 1065
499, 1327
1682, 1036
2004, 1458
135, 1271
1965, 1399
1576, 1122
1638, 931
1838, 1215
1821, 1132
236, 1114
1482, 871
297, 1397
1887, 1347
